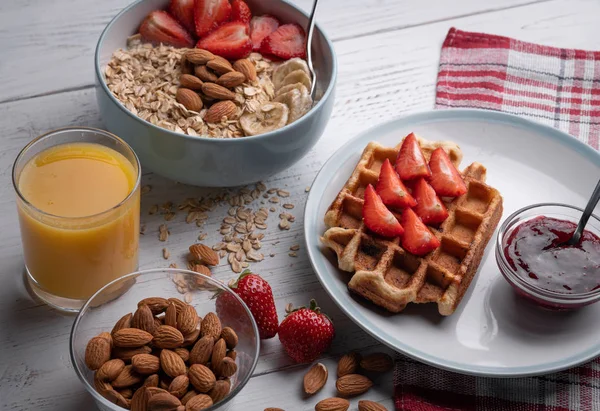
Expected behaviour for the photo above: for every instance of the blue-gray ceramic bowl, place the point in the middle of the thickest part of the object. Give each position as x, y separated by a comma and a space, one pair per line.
206, 161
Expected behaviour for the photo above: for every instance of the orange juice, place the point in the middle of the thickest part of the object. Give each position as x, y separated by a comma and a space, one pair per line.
79, 213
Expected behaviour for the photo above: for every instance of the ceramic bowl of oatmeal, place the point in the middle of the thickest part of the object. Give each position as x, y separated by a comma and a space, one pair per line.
226, 107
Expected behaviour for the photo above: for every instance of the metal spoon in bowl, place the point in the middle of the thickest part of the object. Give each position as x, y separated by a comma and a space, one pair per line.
589, 208
309, 34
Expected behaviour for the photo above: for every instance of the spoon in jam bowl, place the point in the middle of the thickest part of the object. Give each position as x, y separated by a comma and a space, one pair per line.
589, 208
309, 60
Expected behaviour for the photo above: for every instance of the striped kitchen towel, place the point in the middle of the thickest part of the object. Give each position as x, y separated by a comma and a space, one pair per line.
558, 87
554, 86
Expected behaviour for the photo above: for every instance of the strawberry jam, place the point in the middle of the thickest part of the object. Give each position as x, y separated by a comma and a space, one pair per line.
536, 252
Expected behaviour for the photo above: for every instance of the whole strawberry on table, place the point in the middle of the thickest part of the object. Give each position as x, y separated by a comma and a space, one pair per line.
225, 28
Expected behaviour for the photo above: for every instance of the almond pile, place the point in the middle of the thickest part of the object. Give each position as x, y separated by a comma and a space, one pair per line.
163, 357
207, 79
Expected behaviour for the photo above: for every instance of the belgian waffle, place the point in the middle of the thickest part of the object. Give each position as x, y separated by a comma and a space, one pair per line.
387, 274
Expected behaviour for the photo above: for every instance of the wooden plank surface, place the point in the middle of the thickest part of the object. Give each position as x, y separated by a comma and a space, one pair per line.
387, 56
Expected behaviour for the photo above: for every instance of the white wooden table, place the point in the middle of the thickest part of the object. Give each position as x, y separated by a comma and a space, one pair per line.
388, 52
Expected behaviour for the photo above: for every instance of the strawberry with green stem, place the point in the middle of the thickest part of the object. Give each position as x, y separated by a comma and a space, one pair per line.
306, 333
256, 292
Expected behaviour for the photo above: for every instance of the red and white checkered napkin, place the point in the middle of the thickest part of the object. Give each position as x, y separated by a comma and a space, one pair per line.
559, 87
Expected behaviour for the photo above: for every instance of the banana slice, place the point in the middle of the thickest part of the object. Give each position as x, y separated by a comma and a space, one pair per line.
297, 76
270, 116
301, 87
297, 102
286, 68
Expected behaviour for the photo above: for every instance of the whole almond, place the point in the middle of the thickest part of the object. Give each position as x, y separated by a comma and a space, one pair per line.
377, 362
204, 253
219, 351
246, 67
315, 378
201, 377
107, 391
154, 390
188, 396
166, 336
139, 401
187, 319
230, 337
204, 74
220, 390
145, 364
274, 409
191, 338
126, 354
179, 386
126, 378
110, 370
157, 304
190, 81
348, 364
201, 268
163, 401
211, 325
189, 98
217, 92
217, 111
144, 319
131, 338
97, 352
365, 405
232, 354
178, 304
124, 322
199, 402
171, 363
199, 56
107, 337
183, 353
171, 315
126, 392
332, 404
219, 65
226, 368
202, 350
231, 79
152, 381
352, 384
158, 322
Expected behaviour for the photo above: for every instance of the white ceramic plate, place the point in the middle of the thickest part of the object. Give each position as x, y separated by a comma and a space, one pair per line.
492, 333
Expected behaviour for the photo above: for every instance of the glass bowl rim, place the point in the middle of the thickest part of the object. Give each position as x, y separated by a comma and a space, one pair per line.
513, 278
99, 398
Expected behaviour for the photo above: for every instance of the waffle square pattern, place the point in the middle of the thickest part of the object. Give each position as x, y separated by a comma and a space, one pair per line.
387, 274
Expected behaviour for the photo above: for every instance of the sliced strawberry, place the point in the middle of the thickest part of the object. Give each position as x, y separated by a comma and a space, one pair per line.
240, 11
417, 238
230, 41
429, 206
261, 27
445, 178
410, 162
208, 14
377, 217
160, 27
183, 11
286, 42
390, 188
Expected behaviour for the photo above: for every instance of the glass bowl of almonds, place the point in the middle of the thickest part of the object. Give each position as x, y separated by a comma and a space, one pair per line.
165, 339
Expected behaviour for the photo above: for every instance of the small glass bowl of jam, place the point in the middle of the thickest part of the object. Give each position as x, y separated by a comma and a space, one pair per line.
533, 257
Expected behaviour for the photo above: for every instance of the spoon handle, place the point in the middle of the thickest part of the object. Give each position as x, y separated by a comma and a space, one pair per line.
589, 209
309, 36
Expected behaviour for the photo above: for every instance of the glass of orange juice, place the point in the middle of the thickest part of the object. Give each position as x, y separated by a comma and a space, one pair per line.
78, 201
